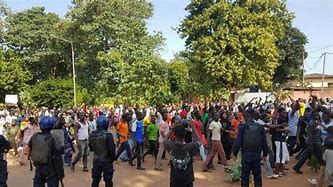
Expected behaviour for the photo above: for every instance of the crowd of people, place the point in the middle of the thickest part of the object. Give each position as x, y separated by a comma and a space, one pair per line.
267, 133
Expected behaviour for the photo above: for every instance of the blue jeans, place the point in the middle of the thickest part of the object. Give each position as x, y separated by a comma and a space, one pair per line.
138, 153
3, 173
45, 174
100, 167
124, 146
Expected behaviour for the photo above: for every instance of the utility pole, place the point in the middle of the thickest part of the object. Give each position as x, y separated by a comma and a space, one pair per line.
73, 64
74, 75
323, 77
303, 71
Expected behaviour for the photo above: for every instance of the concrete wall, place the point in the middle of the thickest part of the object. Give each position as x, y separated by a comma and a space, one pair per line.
328, 93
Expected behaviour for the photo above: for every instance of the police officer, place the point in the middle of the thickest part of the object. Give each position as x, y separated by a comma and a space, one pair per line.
4, 148
45, 152
251, 140
102, 144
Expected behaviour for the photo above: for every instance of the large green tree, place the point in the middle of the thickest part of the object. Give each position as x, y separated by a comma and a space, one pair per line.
292, 52
13, 74
116, 53
232, 44
31, 34
100, 27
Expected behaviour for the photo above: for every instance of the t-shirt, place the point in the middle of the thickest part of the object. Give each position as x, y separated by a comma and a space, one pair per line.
181, 161
302, 125
152, 130
215, 127
278, 136
122, 129
234, 128
163, 128
138, 130
198, 127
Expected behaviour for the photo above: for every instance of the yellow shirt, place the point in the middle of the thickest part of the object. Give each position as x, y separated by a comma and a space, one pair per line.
301, 108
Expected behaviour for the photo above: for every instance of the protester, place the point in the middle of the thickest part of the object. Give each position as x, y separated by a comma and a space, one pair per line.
138, 131
122, 133
81, 135
181, 173
216, 145
314, 143
163, 131
152, 131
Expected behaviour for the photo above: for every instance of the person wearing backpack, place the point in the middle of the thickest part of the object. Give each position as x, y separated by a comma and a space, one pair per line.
251, 141
102, 144
5, 146
45, 153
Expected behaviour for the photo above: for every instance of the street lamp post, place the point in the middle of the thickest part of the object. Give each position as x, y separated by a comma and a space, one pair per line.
73, 64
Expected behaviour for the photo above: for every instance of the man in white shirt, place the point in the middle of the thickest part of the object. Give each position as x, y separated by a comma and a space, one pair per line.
81, 134
216, 145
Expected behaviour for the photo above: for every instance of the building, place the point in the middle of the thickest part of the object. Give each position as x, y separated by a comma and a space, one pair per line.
312, 85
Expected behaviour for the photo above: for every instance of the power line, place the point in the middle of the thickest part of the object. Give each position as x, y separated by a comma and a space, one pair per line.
321, 48
316, 63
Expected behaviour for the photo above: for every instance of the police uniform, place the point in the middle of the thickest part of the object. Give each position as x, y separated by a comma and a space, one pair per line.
4, 148
102, 144
251, 140
45, 152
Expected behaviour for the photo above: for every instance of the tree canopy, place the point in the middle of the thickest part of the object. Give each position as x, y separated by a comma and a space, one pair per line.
235, 44
229, 44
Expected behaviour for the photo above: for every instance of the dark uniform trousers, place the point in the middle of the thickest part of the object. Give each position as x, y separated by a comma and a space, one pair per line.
3, 173
251, 164
45, 174
105, 167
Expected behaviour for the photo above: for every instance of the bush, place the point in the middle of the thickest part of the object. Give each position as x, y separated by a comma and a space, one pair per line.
57, 93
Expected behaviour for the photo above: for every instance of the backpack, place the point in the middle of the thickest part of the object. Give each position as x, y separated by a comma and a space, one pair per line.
252, 139
40, 151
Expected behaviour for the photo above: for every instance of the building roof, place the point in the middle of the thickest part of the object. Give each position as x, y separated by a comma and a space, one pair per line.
317, 75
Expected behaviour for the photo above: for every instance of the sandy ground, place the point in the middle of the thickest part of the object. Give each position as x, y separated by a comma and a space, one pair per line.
126, 175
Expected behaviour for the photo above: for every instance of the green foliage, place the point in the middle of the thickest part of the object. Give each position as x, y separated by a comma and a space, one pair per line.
232, 44
314, 164
57, 92
292, 52
29, 33
111, 26
179, 78
13, 74
139, 83
235, 174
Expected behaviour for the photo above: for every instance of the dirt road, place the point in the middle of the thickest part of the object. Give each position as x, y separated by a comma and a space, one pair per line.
127, 176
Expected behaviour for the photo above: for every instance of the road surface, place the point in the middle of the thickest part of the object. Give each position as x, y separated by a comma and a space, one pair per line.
127, 176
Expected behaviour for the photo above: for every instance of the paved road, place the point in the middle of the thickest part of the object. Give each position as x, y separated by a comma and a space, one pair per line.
127, 176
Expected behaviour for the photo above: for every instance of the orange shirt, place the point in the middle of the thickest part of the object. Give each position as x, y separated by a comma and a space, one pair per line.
234, 128
122, 129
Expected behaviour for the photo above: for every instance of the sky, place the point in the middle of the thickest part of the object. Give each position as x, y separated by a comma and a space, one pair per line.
313, 17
